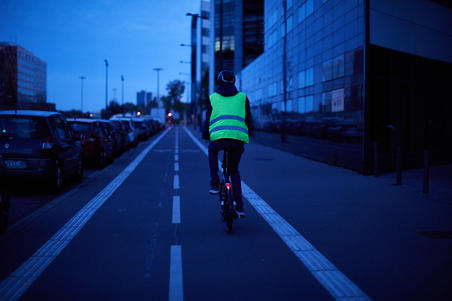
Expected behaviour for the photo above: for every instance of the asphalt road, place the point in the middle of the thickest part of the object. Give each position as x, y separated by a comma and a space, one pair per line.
145, 228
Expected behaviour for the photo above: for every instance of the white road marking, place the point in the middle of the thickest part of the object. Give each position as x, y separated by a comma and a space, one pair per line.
176, 209
176, 158
176, 287
177, 141
167, 150
176, 182
176, 166
20, 280
333, 280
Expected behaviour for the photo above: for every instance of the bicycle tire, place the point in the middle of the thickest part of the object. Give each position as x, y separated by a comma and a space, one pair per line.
229, 220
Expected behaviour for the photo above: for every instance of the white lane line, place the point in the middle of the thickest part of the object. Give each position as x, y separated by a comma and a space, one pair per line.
333, 280
20, 280
177, 141
176, 182
176, 157
176, 286
176, 166
176, 209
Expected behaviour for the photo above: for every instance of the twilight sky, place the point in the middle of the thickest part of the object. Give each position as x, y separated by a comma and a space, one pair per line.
74, 38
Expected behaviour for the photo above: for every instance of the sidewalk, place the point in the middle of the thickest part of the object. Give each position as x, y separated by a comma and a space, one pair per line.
440, 188
393, 241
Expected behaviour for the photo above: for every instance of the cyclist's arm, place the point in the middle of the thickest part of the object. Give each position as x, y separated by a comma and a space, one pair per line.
248, 118
205, 127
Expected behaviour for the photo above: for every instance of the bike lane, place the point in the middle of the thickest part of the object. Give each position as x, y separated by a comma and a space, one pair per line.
122, 250
252, 263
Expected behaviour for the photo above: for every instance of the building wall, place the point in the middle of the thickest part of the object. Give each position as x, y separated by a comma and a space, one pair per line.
23, 77
324, 60
422, 28
409, 68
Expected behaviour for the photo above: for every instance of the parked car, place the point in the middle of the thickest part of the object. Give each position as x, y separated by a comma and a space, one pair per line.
143, 130
121, 131
114, 135
39, 145
97, 145
133, 132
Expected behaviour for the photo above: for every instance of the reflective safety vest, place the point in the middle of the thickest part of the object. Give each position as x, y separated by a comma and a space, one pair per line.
228, 117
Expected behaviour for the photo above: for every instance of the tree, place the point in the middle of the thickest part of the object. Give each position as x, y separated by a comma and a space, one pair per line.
175, 90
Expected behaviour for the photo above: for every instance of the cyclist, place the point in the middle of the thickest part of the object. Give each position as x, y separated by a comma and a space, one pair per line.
228, 126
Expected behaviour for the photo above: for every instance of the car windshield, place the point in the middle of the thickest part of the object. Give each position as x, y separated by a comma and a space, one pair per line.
26, 127
81, 127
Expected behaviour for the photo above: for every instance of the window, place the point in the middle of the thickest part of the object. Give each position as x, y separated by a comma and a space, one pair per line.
301, 105
289, 23
309, 103
306, 78
289, 105
60, 128
305, 10
333, 68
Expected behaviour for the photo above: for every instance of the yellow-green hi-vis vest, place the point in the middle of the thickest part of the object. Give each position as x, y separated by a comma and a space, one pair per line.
228, 117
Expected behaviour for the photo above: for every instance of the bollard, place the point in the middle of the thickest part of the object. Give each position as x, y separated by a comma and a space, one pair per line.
426, 171
399, 165
375, 159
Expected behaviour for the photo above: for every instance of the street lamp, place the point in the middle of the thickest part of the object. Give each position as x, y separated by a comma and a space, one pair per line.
158, 84
283, 124
81, 92
106, 85
122, 90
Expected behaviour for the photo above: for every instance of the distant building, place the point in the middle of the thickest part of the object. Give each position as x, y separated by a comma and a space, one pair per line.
141, 96
148, 99
23, 79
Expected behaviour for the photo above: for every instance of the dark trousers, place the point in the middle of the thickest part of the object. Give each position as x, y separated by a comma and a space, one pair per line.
235, 148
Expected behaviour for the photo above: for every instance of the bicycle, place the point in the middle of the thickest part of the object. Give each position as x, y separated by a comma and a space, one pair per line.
227, 203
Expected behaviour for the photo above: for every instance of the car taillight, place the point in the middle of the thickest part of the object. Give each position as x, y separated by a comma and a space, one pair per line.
47, 143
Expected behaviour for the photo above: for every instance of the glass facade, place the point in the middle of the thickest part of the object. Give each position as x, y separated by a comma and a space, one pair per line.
22, 77
324, 72
326, 91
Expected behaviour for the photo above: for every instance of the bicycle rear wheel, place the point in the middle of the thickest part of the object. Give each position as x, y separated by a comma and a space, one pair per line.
229, 219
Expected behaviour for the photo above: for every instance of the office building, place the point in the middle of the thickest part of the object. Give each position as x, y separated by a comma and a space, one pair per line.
363, 78
22, 79
202, 72
237, 35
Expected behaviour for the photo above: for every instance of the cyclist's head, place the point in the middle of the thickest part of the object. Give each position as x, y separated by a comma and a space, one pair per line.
226, 77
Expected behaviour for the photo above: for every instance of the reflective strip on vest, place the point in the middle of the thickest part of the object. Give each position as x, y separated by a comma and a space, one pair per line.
233, 117
229, 127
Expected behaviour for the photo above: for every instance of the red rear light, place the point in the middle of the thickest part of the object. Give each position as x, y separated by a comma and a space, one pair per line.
228, 186
47, 143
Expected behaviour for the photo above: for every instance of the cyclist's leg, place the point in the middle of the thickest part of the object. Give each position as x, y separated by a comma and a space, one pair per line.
235, 152
214, 148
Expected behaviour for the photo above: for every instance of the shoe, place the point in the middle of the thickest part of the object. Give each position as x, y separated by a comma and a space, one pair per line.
214, 189
240, 212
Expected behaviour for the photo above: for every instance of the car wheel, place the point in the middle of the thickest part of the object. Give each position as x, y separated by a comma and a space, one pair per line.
101, 160
79, 171
56, 183
4, 210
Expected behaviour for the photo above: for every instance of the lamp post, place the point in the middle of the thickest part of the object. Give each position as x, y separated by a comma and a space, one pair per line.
81, 92
158, 84
122, 90
283, 123
106, 85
